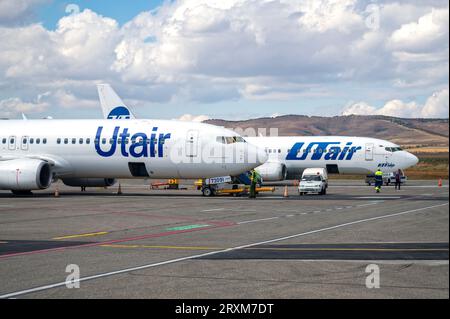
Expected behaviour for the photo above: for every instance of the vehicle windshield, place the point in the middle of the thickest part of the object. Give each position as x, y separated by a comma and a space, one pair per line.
314, 178
230, 139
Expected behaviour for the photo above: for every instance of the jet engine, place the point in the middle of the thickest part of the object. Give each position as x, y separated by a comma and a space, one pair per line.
272, 171
25, 174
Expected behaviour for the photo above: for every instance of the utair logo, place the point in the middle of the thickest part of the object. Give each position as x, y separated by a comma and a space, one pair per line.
119, 113
319, 150
136, 145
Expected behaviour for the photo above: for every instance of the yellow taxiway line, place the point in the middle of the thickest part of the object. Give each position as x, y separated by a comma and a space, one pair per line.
81, 235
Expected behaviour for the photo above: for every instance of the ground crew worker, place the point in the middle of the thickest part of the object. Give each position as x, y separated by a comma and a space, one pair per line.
378, 180
253, 181
398, 179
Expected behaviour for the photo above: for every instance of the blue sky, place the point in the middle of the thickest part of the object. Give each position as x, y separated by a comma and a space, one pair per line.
121, 10
233, 59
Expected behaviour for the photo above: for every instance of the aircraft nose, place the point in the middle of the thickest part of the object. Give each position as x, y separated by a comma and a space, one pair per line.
412, 159
262, 156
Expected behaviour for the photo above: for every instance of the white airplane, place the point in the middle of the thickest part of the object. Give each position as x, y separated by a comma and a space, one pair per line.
290, 155
33, 153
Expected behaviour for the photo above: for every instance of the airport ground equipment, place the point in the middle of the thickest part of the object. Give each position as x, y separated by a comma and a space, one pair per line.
172, 183
314, 180
228, 185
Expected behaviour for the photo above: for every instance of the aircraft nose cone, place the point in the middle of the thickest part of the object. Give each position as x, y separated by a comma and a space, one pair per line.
413, 159
261, 156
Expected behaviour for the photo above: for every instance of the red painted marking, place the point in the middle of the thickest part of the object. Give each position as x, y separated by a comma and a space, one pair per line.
216, 224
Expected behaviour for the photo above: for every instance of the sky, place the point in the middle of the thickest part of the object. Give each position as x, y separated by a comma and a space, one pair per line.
234, 59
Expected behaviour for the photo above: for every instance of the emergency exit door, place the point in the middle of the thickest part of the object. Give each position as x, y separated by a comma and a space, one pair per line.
192, 143
369, 152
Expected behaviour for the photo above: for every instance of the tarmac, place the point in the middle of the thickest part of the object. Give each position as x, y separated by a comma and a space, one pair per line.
178, 244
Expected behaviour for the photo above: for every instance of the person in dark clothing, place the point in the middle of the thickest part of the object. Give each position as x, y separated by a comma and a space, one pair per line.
254, 178
398, 179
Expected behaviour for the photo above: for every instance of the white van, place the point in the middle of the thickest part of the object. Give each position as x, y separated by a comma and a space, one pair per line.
314, 180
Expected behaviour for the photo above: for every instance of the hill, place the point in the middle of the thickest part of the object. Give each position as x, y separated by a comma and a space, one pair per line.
405, 132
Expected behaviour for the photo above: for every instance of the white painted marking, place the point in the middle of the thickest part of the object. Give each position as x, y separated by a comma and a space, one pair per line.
377, 197
61, 284
256, 220
316, 211
369, 204
339, 207
289, 215
212, 210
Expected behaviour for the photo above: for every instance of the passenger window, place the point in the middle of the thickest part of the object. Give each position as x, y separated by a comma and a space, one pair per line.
4, 141
31, 140
103, 140
58, 141
24, 141
88, 141
80, 141
66, 141
38, 141
44, 141
74, 140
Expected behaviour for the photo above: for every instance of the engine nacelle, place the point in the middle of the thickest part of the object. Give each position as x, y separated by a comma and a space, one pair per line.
25, 174
89, 182
272, 171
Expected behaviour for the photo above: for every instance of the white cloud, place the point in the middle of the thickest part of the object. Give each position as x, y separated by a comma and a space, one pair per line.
430, 30
193, 118
14, 12
436, 106
207, 51
12, 107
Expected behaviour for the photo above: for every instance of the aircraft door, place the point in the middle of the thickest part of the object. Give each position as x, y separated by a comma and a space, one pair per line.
369, 151
192, 143
12, 143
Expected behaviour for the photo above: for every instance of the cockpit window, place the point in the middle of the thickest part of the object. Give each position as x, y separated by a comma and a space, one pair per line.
230, 139
393, 149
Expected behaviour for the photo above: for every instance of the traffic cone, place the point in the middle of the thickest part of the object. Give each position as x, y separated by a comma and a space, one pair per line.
56, 192
119, 191
285, 194
440, 182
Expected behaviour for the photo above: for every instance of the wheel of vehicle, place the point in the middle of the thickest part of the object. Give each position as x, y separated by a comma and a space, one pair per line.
207, 191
